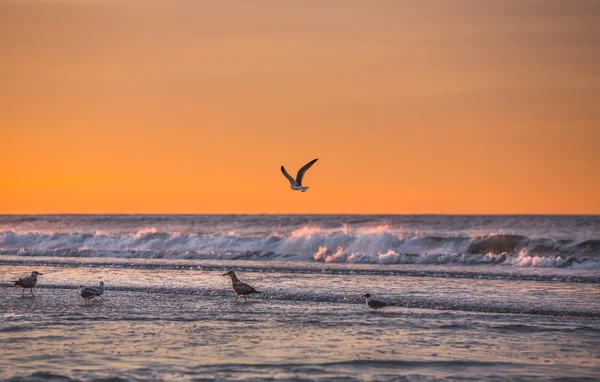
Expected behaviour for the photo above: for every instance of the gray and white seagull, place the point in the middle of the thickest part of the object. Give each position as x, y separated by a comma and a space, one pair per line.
88, 293
28, 282
375, 304
240, 288
296, 184
99, 289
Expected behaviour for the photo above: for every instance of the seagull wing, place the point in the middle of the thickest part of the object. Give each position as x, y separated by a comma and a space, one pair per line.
87, 293
97, 290
378, 304
243, 288
304, 168
28, 281
288, 176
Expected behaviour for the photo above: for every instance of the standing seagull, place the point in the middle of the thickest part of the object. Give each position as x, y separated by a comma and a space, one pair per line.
87, 293
240, 288
374, 304
296, 184
99, 290
28, 282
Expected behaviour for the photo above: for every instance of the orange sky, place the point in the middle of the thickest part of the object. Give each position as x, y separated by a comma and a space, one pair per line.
141, 106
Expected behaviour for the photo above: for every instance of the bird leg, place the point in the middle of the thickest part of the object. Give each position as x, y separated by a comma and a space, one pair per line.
31, 290
245, 299
22, 292
236, 298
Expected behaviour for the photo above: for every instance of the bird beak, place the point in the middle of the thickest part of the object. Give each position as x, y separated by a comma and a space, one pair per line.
41, 274
225, 274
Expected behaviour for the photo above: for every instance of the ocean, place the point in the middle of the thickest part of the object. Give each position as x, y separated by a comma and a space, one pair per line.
476, 297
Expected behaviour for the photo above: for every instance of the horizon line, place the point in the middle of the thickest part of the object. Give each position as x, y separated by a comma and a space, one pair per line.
299, 214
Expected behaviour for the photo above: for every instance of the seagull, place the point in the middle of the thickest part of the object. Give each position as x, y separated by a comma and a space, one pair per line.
87, 293
240, 288
99, 289
374, 304
28, 282
296, 184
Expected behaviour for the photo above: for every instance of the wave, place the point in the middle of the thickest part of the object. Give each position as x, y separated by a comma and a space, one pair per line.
374, 245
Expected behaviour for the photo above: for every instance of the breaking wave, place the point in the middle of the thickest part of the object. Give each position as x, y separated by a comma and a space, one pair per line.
375, 245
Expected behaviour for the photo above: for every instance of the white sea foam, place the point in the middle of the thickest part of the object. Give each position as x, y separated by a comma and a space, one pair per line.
509, 241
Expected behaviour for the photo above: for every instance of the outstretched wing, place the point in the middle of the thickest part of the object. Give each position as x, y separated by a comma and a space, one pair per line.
288, 176
303, 170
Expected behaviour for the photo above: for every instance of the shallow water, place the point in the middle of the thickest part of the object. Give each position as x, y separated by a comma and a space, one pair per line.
181, 325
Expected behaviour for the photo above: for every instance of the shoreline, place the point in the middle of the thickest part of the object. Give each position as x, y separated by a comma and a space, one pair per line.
458, 271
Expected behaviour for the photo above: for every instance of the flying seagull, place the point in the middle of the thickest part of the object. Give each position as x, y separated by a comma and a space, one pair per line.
28, 282
374, 304
87, 293
296, 184
240, 288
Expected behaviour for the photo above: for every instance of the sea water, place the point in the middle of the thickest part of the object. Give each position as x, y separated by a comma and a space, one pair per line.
477, 297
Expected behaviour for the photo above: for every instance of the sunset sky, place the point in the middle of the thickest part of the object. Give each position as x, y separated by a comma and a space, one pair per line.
141, 106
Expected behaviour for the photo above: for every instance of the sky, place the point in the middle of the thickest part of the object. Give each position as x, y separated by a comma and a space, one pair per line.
190, 106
